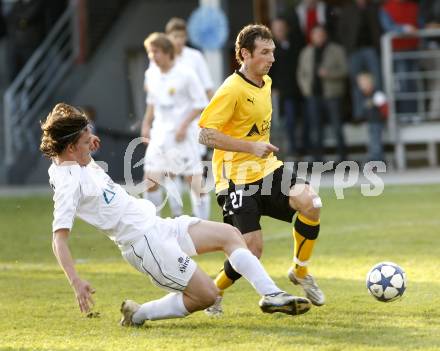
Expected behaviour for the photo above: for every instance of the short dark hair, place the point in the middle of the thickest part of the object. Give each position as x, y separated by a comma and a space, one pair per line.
247, 36
63, 126
174, 24
160, 41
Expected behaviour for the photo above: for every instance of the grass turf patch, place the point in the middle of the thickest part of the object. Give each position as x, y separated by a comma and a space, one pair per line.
39, 311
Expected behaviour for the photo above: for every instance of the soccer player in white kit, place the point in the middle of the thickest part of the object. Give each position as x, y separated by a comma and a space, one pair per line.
175, 98
193, 59
159, 248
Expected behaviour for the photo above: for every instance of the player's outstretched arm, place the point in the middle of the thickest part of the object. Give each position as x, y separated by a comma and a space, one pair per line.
217, 140
83, 290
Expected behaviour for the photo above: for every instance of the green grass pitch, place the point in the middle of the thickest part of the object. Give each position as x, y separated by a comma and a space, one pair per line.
39, 312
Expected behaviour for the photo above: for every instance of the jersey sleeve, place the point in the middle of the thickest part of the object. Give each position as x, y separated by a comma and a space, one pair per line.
220, 109
196, 91
203, 71
67, 193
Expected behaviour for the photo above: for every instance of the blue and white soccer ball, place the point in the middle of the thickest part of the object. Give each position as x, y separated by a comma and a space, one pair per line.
386, 281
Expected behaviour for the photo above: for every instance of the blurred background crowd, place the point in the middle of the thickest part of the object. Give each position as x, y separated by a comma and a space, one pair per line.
353, 79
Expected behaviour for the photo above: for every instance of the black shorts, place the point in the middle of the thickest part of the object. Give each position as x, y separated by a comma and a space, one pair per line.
243, 205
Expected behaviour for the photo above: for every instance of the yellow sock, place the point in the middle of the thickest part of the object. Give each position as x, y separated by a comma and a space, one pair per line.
304, 234
223, 282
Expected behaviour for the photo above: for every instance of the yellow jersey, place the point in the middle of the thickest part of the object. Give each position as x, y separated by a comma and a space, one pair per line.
241, 110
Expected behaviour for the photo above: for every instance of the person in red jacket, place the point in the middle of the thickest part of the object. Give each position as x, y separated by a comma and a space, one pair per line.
402, 16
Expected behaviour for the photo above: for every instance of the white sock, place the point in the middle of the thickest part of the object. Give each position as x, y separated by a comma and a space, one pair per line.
196, 205
169, 306
201, 206
155, 197
205, 200
245, 263
173, 187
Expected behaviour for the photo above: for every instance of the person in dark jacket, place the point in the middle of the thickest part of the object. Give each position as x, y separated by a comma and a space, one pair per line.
359, 34
322, 70
430, 19
284, 86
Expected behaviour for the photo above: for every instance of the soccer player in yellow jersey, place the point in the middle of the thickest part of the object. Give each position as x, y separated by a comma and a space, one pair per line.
250, 181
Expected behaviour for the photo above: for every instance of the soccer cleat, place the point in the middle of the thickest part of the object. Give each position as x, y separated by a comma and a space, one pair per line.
312, 290
128, 309
284, 303
216, 310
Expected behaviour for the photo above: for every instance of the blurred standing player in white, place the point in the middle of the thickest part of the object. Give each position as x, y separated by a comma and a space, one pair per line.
176, 31
191, 58
159, 248
175, 98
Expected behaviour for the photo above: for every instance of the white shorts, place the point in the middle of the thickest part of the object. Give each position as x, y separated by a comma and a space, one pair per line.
177, 158
164, 253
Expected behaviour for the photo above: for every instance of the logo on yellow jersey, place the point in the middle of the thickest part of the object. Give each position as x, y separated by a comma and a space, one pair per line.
254, 131
265, 129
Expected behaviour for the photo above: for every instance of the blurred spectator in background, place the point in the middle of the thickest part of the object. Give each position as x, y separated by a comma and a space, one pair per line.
2, 22
375, 111
359, 34
2, 49
430, 19
25, 28
322, 71
285, 89
27, 23
311, 13
402, 16
430, 13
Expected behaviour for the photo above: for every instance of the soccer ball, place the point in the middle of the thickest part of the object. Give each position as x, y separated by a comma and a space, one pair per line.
386, 281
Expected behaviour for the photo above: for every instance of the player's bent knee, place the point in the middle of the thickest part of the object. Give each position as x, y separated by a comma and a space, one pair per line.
255, 247
258, 252
310, 212
306, 201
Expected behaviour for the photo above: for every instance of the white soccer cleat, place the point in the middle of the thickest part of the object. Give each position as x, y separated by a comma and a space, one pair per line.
284, 303
312, 290
216, 310
128, 309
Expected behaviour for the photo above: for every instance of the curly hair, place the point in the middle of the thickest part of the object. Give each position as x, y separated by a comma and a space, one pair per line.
247, 36
62, 127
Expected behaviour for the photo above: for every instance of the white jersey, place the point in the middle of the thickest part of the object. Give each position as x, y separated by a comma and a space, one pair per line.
193, 58
174, 95
90, 194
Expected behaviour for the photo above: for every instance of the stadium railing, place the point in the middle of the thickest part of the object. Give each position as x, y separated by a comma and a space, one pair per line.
413, 93
35, 83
